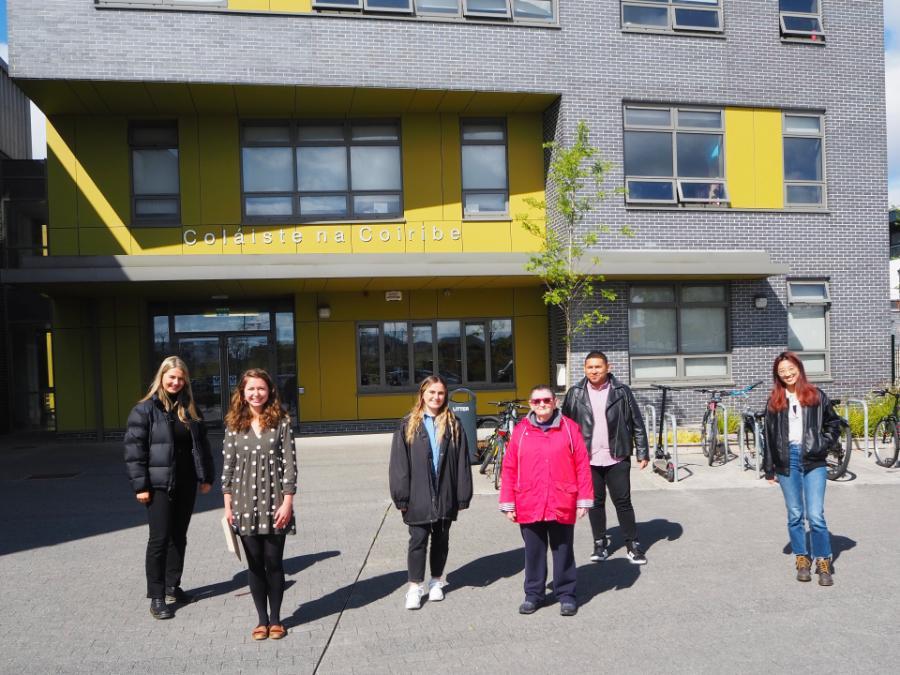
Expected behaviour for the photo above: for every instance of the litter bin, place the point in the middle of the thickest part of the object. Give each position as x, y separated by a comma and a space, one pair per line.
462, 403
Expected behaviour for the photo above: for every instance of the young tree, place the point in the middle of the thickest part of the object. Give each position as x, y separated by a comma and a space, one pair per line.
575, 178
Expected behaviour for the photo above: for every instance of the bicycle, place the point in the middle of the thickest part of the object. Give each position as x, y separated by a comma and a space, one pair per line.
886, 437
709, 428
495, 446
838, 458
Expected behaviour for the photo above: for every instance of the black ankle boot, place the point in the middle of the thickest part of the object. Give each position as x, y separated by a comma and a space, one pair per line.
160, 610
175, 595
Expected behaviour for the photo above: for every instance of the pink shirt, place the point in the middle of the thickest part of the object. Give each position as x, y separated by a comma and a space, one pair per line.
599, 450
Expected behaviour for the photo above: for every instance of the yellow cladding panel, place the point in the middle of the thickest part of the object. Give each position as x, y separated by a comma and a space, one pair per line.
263, 101
364, 306
486, 237
171, 98
484, 405
325, 239
374, 407
421, 144
451, 166
482, 302
308, 371
103, 172
522, 240
769, 159
104, 241
323, 101
63, 241
305, 308
740, 157
109, 376
269, 239
338, 368
526, 164
189, 170
386, 238
423, 304
128, 385
220, 183
297, 6
443, 237
155, 241
61, 188
529, 301
249, 4
532, 352
74, 383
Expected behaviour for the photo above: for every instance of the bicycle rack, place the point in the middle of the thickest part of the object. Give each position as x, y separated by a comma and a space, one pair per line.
650, 426
865, 407
671, 417
725, 435
756, 442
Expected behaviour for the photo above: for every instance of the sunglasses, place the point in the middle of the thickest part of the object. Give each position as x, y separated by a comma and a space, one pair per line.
541, 401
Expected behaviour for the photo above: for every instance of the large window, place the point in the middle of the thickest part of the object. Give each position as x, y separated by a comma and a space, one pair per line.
154, 173
804, 165
321, 171
679, 331
517, 10
801, 19
675, 156
399, 354
808, 306
673, 15
485, 187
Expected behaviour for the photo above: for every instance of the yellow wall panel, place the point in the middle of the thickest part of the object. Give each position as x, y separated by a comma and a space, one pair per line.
104, 240
268, 239
72, 390
338, 370
483, 404
305, 307
189, 170
486, 236
378, 238
740, 157
769, 159
421, 143
451, 161
248, 4
103, 172
61, 189
423, 304
129, 387
443, 237
526, 163
299, 6
63, 241
220, 184
532, 352
474, 303
156, 241
326, 239
128, 312
206, 239
308, 371
529, 301
383, 406
364, 306
521, 240
109, 375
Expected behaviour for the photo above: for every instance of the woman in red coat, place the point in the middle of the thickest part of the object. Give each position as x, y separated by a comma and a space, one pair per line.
545, 485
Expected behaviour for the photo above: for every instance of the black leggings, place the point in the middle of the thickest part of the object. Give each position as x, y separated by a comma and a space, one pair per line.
265, 553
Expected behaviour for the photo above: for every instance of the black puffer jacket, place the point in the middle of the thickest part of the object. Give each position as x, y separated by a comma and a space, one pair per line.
150, 449
426, 497
821, 429
623, 418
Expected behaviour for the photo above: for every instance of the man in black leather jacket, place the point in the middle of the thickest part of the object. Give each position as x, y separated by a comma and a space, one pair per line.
610, 439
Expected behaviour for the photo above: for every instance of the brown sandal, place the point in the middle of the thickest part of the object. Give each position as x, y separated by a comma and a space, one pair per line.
260, 632
277, 631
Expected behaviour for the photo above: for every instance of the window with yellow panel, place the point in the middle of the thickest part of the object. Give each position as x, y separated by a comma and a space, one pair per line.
155, 183
485, 176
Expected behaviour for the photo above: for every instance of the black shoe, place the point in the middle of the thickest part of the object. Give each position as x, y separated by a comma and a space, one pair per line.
529, 607
601, 550
178, 596
568, 609
636, 554
160, 610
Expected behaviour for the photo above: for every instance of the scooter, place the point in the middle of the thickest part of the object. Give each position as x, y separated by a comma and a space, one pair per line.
662, 460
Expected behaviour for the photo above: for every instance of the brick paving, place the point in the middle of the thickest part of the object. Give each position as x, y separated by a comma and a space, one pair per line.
718, 593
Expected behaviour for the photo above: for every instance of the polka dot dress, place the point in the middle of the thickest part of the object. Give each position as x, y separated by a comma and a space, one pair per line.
258, 471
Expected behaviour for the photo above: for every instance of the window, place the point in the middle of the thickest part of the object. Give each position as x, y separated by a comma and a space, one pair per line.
674, 156
321, 171
679, 332
673, 15
804, 171
484, 180
518, 10
396, 6
808, 305
397, 355
438, 7
486, 8
154, 173
801, 19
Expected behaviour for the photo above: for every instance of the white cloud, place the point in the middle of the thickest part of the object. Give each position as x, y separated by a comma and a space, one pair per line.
892, 91
892, 15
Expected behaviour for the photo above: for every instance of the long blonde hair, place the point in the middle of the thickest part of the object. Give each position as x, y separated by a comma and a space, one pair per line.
184, 405
444, 420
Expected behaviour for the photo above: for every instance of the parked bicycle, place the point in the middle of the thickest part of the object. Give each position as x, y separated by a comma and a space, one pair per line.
495, 446
709, 428
886, 437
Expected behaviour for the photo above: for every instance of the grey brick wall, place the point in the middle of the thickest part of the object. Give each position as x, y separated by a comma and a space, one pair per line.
594, 66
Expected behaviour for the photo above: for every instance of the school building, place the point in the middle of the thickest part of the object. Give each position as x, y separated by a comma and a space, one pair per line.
332, 189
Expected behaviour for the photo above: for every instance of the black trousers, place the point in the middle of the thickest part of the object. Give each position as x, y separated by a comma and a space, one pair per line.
536, 537
439, 533
169, 515
618, 479
265, 571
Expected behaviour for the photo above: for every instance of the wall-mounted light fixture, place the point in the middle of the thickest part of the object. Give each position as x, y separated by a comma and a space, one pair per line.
324, 312
760, 301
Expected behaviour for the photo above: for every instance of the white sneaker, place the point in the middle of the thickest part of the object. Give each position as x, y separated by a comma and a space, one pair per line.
436, 590
414, 597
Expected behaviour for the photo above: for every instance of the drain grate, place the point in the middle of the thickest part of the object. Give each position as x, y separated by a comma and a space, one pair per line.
50, 476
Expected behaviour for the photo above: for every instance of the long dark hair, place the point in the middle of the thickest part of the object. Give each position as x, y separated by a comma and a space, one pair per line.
239, 414
807, 393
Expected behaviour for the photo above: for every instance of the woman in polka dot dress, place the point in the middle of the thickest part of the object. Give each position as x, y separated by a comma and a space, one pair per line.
259, 481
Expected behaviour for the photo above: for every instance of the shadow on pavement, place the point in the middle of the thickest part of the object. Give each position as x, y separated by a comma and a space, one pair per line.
352, 596
610, 575
649, 533
839, 544
487, 570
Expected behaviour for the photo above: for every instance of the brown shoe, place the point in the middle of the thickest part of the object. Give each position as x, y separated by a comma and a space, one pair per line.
823, 569
277, 631
260, 632
804, 564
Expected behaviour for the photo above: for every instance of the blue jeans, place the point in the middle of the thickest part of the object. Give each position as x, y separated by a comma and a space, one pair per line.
804, 497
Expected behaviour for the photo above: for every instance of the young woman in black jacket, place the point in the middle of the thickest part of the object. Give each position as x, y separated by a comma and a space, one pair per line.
166, 455
800, 426
430, 481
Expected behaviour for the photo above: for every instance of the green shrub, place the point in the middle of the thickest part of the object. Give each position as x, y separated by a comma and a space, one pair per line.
879, 407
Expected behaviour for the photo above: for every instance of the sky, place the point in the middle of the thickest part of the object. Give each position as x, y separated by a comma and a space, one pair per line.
892, 87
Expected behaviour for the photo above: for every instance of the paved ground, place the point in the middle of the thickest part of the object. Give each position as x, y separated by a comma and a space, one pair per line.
718, 593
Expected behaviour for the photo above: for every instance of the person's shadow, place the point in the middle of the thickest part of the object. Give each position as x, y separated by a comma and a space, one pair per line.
649, 533
487, 570
292, 566
839, 544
